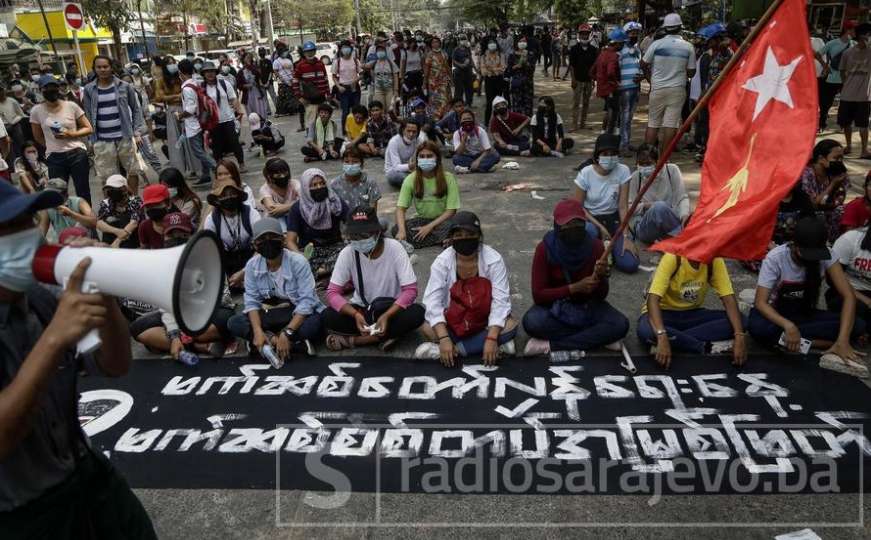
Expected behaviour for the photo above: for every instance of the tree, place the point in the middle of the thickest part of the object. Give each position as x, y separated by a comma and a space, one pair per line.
114, 15
325, 16
373, 16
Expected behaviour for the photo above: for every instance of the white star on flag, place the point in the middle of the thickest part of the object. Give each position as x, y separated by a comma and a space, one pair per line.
773, 83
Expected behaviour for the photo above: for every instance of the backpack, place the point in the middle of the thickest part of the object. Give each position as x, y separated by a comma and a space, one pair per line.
207, 110
469, 307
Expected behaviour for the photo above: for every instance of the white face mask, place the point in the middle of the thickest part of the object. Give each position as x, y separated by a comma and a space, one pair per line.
16, 259
491, 47
522, 45
646, 170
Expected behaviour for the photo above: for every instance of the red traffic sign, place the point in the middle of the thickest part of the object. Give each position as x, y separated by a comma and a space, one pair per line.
74, 16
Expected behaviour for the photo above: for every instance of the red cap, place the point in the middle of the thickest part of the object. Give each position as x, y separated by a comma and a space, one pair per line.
177, 221
43, 263
850, 25
154, 194
585, 28
71, 232
567, 210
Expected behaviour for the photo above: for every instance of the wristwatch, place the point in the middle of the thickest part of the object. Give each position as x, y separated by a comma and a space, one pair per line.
661, 332
289, 332
175, 334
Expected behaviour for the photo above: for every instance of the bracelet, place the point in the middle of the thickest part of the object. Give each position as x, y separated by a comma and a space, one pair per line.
742, 334
489, 338
444, 337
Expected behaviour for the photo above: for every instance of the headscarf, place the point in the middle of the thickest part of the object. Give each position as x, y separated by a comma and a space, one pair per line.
569, 259
318, 215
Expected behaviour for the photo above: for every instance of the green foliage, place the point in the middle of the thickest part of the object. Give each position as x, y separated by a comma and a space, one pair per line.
572, 12
111, 14
324, 16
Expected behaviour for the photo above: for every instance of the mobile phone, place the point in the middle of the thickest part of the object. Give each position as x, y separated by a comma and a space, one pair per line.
804, 346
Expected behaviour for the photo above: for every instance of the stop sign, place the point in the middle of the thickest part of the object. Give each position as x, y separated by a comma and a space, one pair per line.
73, 16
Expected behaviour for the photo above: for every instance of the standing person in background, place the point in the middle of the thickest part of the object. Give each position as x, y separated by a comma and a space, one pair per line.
505, 41
582, 57
224, 138
520, 70
283, 67
346, 74
112, 107
437, 77
855, 107
411, 70
464, 71
190, 112
491, 66
256, 97
630, 84
385, 79
167, 90
310, 81
547, 51
265, 78
830, 57
13, 117
60, 127
606, 72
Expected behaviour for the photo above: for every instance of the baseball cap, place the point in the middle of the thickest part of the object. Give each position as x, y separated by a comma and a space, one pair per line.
631, 25
585, 28
177, 221
810, 237
418, 102
116, 181
362, 220
209, 66
267, 225
672, 20
606, 141
309, 46
57, 184
47, 79
154, 194
617, 35
13, 202
467, 221
567, 210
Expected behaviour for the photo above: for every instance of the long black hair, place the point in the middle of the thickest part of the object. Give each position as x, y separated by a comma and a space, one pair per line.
823, 149
27, 165
550, 112
173, 177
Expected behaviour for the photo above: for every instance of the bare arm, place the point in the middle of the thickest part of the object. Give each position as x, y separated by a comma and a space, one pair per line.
291, 240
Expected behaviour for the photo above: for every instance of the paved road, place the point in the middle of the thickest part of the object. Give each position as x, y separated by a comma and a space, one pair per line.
513, 223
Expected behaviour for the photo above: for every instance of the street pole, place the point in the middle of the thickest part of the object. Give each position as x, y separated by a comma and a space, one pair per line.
82, 68
393, 13
270, 30
50, 37
357, 9
142, 27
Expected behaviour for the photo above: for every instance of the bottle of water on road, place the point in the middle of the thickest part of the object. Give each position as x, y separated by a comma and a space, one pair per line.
269, 353
188, 358
566, 356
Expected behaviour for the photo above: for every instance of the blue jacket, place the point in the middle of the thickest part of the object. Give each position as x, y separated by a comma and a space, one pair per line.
132, 119
296, 283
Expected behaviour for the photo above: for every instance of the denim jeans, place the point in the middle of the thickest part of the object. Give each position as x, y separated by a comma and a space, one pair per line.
72, 163
628, 104
656, 223
347, 100
474, 345
275, 320
688, 330
625, 261
487, 162
395, 179
605, 325
815, 324
199, 151
521, 142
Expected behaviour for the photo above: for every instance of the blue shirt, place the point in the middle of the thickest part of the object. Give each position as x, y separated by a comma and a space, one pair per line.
630, 66
449, 122
293, 282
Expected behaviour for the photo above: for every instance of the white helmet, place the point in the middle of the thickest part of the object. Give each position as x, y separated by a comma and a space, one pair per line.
672, 20
631, 25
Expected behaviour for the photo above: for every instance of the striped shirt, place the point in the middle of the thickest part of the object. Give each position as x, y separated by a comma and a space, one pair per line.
108, 115
670, 58
630, 66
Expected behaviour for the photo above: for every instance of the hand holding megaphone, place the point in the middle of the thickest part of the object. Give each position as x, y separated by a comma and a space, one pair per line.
78, 313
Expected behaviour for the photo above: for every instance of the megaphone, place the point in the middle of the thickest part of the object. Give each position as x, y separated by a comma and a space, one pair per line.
186, 281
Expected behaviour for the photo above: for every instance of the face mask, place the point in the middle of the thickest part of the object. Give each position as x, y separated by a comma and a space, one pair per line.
281, 181
351, 169
381, 55
609, 162
319, 194
646, 170
346, 51
466, 246
501, 112
172, 69
198, 66
572, 236
156, 214
829, 169
229, 203
174, 242
284, 54
426, 164
521, 45
468, 127
585, 41
16, 259
31, 156
491, 47
225, 70
573, 42
309, 55
270, 249
436, 48
34, 78
542, 108
115, 195
51, 95
366, 245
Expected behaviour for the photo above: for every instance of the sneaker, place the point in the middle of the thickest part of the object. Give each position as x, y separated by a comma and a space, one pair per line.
525, 153
302, 347
513, 147
427, 351
507, 348
557, 154
616, 346
722, 347
536, 347
459, 169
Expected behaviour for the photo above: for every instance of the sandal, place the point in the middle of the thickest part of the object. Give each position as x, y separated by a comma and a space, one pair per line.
336, 342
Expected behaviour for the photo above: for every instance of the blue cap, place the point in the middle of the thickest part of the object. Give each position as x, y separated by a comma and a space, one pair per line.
618, 34
418, 102
13, 202
47, 79
309, 46
712, 30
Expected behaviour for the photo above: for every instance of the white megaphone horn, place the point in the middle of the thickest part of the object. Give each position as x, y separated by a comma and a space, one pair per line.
186, 281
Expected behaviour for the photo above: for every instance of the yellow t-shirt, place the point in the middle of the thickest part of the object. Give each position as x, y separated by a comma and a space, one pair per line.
352, 128
684, 287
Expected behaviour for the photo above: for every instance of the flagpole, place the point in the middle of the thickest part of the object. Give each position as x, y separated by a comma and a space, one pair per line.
685, 127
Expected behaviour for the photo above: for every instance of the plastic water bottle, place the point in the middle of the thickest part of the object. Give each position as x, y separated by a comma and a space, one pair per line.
566, 356
56, 126
188, 358
269, 353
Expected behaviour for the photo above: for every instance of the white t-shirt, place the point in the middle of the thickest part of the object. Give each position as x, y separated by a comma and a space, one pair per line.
856, 261
67, 115
346, 69
817, 44
534, 120
671, 57
225, 111
602, 191
190, 106
477, 142
384, 276
780, 269
233, 233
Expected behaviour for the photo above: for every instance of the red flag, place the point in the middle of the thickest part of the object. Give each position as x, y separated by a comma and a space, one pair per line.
763, 121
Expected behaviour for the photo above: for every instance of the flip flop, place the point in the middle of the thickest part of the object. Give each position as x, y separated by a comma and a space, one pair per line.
842, 365
336, 342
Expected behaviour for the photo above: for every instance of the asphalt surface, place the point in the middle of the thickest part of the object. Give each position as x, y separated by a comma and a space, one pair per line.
513, 223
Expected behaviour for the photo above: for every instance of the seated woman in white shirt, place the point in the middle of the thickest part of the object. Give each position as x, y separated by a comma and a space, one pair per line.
467, 299
277, 195
472, 149
665, 208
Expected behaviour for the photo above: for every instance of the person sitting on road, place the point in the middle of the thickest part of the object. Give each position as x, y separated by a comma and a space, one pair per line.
506, 127
673, 315
382, 308
825, 181
548, 134
265, 135
853, 250
785, 309
157, 204
379, 130
399, 157
119, 214
472, 149
467, 299
665, 209
569, 287
181, 195
323, 140
158, 330
355, 129
281, 306
316, 220
353, 186
277, 195
857, 213
450, 123
436, 198
74, 212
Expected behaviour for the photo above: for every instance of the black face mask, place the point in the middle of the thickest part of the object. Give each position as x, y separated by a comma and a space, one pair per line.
501, 112
156, 214
281, 181
572, 236
174, 242
51, 94
115, 195
830, 169
230, 203
465, 246
319, 194
270, 249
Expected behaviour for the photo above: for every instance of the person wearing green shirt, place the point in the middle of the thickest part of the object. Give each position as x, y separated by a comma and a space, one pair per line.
436, 198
